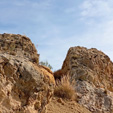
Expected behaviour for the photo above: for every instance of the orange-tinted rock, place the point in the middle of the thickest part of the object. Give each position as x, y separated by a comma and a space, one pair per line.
46, 71
93, 72
18, 45
24, 87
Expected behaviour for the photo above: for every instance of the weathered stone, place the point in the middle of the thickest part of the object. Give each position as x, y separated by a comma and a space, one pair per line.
25, 87
93, 72
18, 45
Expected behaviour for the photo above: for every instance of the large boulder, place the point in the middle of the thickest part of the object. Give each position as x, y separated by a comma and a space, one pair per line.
25, 87
93, 72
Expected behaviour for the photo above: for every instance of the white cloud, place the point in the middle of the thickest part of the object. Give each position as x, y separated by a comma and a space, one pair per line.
96, 8
17, 11
97, 15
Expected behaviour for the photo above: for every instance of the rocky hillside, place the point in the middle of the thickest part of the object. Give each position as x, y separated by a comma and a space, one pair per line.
93, 72
25, 87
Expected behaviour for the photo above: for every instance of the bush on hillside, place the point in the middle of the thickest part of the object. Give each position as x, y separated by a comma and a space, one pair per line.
64, 88
46, 64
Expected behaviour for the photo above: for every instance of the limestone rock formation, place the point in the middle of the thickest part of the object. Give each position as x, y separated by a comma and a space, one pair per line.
25, 87
93, 72
18, 45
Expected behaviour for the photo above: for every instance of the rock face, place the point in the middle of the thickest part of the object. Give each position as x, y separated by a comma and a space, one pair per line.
18, 45
93, 72
25, 87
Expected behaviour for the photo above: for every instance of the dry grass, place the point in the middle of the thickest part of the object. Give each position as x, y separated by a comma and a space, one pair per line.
64, 88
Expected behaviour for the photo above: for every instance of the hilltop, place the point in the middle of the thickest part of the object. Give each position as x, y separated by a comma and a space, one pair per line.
28, 87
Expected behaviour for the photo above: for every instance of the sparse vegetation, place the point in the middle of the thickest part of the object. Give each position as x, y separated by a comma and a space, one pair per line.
64, 88
46, 64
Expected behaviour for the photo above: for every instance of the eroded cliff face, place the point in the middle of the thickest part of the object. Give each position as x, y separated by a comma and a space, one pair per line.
18, 45
25, 87
93, 72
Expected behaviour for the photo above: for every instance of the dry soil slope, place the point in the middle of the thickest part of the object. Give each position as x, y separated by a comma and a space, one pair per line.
59, 106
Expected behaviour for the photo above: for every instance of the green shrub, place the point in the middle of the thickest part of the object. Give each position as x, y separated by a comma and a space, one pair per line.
46, 64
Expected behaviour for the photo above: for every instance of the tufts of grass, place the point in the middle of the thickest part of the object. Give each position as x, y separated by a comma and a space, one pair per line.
64, 88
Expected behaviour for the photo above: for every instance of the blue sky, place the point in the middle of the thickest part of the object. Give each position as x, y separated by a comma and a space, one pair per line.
56, 25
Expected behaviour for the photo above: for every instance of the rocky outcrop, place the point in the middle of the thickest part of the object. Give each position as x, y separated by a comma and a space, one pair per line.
18, 45
25, 87
93, 72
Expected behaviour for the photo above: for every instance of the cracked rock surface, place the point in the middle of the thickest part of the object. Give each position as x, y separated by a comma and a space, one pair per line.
25, 87
93, 72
